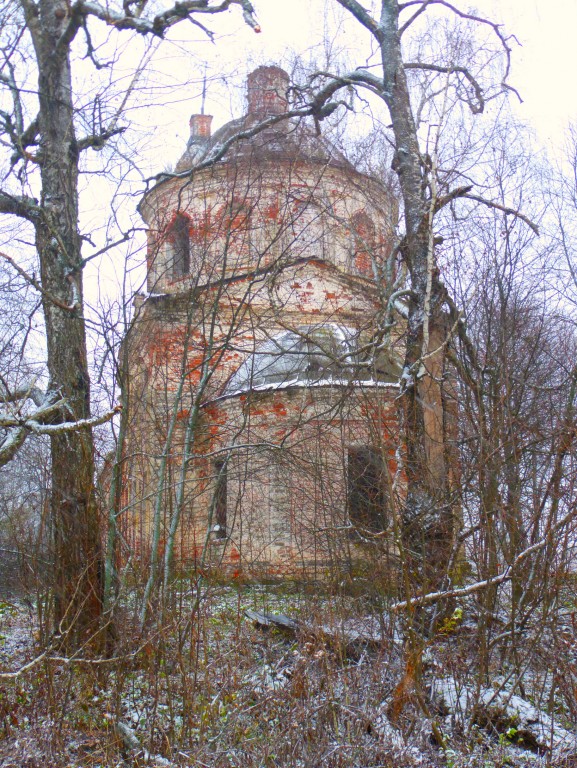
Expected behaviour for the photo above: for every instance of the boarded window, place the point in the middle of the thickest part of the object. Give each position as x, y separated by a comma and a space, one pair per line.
179, 239
220, 499
366, 494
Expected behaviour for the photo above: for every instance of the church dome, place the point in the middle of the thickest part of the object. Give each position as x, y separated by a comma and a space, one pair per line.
290, 140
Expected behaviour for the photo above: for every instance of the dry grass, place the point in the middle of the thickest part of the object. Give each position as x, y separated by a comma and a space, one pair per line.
210, 689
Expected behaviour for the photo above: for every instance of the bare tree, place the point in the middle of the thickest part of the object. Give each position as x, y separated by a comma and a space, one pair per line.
427, 187
40, 132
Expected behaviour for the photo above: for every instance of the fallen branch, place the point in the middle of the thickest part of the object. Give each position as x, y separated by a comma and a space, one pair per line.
270, 620
348, 638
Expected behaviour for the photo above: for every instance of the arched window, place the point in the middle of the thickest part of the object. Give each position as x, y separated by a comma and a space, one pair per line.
307, 354
179, 239
363, 236
304, 225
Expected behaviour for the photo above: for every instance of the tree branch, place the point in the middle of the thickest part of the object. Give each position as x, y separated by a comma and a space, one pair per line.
11, 444
30, 134
444, 200
505, 209
475, 109
356, 77
479, 20
20, 205
35, 284
478, 586
31, 423
97, 141
418, 12
159, 23
317, 109
24, 391
363, 16
10, 81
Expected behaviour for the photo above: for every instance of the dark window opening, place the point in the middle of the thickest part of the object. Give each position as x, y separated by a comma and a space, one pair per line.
220, 494
180, 238
366, 494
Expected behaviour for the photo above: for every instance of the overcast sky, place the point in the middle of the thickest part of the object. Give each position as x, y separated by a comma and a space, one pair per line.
544, 64
545, 67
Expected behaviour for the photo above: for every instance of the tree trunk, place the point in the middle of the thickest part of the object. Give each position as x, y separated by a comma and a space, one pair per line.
428, 520
76, 531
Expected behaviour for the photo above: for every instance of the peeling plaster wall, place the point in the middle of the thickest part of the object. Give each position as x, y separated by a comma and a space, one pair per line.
251, 217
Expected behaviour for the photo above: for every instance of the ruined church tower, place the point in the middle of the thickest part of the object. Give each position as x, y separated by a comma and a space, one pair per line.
262, 382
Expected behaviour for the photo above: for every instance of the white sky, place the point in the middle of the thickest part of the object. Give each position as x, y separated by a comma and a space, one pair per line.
545, 67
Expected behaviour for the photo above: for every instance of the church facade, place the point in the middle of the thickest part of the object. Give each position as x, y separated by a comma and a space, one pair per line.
263, 378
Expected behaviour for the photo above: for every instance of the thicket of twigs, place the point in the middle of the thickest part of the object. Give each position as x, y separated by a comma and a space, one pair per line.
292, 674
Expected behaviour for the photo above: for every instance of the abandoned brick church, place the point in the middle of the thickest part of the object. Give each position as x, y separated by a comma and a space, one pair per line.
262, 382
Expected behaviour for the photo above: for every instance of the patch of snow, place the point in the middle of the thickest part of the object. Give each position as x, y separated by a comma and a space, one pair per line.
545, 733
386, 731
270, 679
